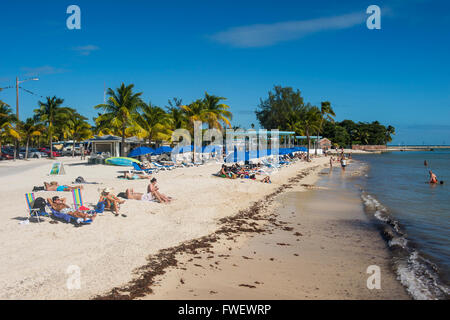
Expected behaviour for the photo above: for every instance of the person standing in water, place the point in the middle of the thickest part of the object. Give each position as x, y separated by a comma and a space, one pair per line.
343, 163
433, 178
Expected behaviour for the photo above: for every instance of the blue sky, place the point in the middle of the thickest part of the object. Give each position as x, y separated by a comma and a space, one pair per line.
398, 75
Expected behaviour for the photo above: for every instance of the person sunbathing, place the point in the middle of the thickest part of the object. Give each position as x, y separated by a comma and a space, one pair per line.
112, 202
146, 165
59, 204
135, 176
54, 186
266, 180
151, 195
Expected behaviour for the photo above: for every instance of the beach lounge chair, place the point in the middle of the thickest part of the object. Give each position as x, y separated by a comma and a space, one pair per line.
77, 199
269, 164
67, 217
138, 169
29, 197
163, 167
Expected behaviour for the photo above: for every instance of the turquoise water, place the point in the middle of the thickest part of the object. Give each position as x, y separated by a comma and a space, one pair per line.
414, 215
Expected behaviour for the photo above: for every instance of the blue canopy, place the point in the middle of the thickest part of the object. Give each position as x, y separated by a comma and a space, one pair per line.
163, 149
140, 151
182, 149
213, 148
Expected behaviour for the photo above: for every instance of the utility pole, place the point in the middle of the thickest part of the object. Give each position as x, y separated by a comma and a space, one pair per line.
17, 98
17, 93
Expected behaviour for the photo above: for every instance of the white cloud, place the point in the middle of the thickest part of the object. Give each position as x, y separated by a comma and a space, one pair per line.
261, 35
42, 70
86, 50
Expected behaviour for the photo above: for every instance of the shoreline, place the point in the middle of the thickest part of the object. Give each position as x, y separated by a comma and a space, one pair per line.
292, 256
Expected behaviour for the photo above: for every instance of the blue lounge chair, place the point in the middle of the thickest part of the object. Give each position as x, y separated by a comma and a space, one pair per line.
67, 217
137, 169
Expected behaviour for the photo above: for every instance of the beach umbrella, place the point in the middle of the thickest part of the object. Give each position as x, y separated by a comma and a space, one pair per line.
163, 149
140, 151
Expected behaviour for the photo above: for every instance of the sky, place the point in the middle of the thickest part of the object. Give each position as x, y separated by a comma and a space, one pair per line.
398, 75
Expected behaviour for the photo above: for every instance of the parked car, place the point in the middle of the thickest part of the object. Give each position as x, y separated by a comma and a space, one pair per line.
47, 152
8, 153
32, 153
67, 151
6, 156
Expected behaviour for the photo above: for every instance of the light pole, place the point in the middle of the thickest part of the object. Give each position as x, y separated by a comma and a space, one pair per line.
17, 93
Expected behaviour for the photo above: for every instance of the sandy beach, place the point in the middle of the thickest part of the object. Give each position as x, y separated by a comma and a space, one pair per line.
123, 257
316, 244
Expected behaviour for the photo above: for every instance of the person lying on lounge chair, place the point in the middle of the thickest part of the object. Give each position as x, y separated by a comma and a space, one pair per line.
53, 186
111, 201
59, 204
146, 165
135, 176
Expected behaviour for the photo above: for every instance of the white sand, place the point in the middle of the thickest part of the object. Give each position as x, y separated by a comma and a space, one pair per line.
36, 257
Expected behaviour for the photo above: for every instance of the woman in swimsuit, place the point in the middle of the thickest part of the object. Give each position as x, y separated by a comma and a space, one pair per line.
111, 201
53, 186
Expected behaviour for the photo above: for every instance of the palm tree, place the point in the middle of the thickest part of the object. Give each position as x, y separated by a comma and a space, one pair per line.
28, 130
363, 136
327, 113
155, 123
195, 112
7, 119
50, 112
389, 131
77, 128
309, 121
177, 115
121, 110
216, 112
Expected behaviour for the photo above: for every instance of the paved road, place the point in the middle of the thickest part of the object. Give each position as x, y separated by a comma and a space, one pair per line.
9, 167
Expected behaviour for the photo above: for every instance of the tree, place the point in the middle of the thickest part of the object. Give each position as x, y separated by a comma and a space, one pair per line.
28, 130
121, 110
78, 129
309, 122
48, 113
389, 131
155, 123
327, 113
178, 118
216, 112
195, 112
7, 119
341, 136
277, 110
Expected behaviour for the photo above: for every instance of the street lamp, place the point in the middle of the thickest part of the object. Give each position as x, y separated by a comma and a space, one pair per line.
17, 93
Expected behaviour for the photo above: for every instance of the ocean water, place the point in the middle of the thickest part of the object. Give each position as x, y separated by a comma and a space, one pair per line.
412, 215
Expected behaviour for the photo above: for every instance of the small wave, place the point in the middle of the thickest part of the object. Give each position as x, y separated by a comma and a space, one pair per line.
418, 275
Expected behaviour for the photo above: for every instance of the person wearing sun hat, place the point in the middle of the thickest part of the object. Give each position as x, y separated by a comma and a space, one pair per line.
111, 201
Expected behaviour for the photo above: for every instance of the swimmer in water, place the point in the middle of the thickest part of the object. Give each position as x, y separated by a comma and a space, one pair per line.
433, 178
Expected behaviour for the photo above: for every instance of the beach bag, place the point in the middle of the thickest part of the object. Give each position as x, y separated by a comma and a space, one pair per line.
100, 207
80, 180
40, 204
